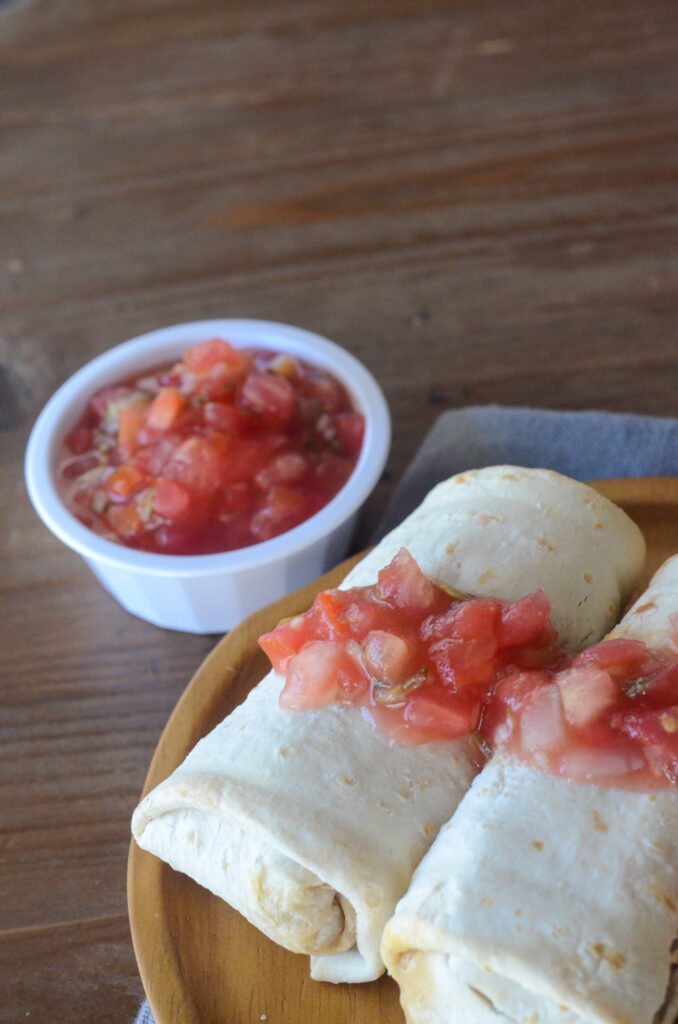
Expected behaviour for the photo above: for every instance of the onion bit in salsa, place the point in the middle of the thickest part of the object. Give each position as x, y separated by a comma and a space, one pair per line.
224, 449
426, 664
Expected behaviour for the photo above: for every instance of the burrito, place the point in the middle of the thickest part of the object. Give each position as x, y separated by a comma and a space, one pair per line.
551, 900
310, 823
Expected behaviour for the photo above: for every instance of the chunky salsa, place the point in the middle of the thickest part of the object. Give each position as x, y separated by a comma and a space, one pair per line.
426, 664
420, 661
610, 717
225, 448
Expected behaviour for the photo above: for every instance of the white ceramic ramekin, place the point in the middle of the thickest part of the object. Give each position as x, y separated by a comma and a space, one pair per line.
208, 593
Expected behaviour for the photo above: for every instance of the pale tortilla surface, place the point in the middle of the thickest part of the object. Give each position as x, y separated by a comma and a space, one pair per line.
311, 824
545, 900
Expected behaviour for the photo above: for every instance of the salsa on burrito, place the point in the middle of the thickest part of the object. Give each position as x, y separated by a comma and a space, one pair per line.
421, 662
224, 449
426, 664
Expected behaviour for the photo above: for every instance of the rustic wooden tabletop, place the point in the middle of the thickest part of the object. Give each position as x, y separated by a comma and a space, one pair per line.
478, 199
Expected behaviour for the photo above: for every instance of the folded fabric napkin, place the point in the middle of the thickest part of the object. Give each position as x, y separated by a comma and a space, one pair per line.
584, 445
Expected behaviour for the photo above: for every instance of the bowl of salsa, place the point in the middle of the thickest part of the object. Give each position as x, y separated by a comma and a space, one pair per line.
206, 469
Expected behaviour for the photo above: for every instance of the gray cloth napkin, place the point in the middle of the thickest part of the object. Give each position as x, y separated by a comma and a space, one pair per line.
583, 445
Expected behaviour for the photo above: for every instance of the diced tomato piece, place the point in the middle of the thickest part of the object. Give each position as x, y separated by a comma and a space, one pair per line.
545, 653
284, 507
388, 657
431, 708
124, 481
271, 396
229, 419
332, 472
327, 617
130, 422
165, 409
197, 465
404, 585
283, 468
322, 673
653, 727
99, 403
242, 458
541, 720
124, 520
216, 356
344, 430
350, 430
323, 390
170, 499
614, 656
515, 690
525, 620
80, 440
362, 616
462, 663
283, 642
586, 692
465, 620
510, 695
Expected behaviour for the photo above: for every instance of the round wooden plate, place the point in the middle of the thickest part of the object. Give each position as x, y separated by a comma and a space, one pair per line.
200, 961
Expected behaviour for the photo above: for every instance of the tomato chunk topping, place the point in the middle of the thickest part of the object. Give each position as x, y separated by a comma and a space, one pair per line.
225, 448
423, 664
610, 717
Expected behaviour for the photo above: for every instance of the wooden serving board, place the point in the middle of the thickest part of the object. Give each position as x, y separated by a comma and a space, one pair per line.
200, 961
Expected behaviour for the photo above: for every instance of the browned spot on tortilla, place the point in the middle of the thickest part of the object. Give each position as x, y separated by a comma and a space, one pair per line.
588, 578
425, 784
347, 780
652, 797
598, 526
611, 956
642, 608
450, 548
518, 912
429, 829
509, 476
284, 751
538, 845
664, 898
545, 544
484, 518
486, 576
485, 902
532, 1019
488, 969
599, 823
612, 609
461, 478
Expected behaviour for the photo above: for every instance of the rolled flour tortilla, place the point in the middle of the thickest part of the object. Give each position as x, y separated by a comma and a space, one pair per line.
311, 823
545, 900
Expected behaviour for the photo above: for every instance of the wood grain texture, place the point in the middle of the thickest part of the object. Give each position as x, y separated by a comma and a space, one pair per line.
478, 199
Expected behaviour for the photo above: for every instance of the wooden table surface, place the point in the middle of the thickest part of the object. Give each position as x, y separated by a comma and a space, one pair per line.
479, 198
